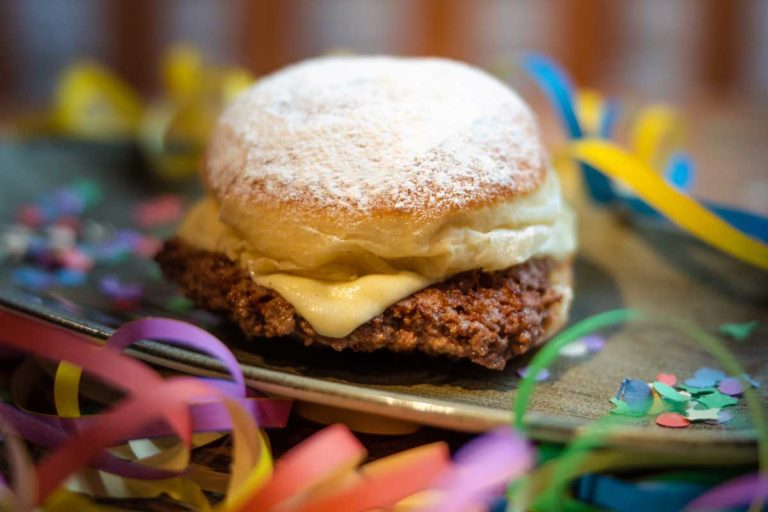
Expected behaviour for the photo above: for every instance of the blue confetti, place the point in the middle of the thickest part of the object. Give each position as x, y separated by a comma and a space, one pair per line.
636, 394
32, 278
705, 378
70, 277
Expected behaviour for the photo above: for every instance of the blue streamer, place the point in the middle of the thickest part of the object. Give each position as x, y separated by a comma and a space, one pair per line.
556, 86
679, 171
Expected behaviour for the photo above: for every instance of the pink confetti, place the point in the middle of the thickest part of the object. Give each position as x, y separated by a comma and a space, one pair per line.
30, 215
147, 246
672, 420
731, 387
75, 259
159, 211
667, 378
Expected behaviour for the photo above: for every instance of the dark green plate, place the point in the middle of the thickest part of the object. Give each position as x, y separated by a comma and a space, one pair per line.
619, 265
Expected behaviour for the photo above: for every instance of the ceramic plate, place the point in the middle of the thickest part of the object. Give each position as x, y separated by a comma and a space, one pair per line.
619, 265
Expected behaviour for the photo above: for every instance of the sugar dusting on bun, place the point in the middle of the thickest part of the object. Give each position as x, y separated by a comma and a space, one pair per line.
359, 135
339, 167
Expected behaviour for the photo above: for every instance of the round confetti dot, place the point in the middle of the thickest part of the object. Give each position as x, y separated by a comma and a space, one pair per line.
70, 277
672, 420
76, 259
540, 377
731, 387
593, 343
30, 215
667, 378
574, 349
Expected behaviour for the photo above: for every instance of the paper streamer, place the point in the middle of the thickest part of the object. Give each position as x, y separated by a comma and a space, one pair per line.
745, 490
482, 466
655, 133
152, 398
556, 85
320, 474
580, 455
678, 207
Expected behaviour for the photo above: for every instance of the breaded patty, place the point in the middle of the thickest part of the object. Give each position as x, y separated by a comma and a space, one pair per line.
484, 317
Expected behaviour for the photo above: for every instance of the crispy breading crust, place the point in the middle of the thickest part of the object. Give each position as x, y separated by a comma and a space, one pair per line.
485, 317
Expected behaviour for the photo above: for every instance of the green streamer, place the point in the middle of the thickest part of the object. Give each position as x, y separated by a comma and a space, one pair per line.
583, 453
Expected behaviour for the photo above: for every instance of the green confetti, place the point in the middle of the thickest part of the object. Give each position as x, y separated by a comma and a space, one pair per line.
693, 390
702, 414
669, 393
621, 408
717, 400
89, 191
739, 332
179, 304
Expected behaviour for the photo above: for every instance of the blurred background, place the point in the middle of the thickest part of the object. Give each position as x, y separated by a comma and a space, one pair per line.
709, 57
670, 49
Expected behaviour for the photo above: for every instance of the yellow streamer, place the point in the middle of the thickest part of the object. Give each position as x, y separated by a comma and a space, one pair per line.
678, 207
589, 109
66, 384
657, 130
249, 473
251, 469
93, 103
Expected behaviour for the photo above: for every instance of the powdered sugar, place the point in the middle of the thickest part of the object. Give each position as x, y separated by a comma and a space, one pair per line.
365, 133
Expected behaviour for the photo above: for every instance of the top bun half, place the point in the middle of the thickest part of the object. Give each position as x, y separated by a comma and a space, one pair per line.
386, 157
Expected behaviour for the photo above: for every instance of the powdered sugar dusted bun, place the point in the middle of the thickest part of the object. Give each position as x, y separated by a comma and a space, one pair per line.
353, 165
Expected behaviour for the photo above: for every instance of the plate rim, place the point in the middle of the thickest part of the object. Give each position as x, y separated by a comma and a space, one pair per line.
737, 445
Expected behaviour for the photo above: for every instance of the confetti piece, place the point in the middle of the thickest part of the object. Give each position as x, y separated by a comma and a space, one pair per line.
705, 377
15, 240
159, 211
61, 238
118, 290
731, 386
717, 399
70, 277
722, 417
636, 394
68, 202
540, 377
696, 391
658, 405
75, 259
32, 278
113, 252
147, 246
669, 394
594, 343
574, 349
30, 215
702, 414
739, 332
179, 304
621, 408
667, 378
672, 420
89, 192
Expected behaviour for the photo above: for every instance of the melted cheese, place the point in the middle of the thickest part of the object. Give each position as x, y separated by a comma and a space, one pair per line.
335, 309
336, 298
